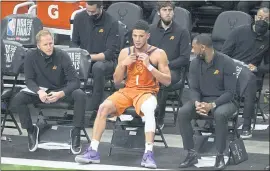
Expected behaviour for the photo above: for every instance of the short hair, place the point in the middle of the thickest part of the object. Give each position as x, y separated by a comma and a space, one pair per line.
99, 3
162, 4
264, 10
43, 33
204, 39
141, 25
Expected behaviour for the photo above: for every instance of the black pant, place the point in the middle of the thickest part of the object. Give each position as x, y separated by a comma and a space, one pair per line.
100, 70
249, 101
163, 94
21, 101
221, 115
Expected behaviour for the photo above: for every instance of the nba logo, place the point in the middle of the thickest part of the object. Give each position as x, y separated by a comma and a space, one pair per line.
11, 27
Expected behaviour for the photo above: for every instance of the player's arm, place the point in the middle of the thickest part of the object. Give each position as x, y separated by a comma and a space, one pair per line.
162, 74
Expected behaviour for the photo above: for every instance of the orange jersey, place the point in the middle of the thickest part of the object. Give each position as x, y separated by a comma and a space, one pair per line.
139, 77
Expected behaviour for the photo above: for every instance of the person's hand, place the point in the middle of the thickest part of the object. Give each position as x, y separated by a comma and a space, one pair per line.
199, 107
42, 95
129, 59
252, 67
54, 96
145, 58
205, 108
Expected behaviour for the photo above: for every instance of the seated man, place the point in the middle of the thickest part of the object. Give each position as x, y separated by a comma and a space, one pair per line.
97, 32
251, 50
145, 66
175, 41
213, 84
50, 68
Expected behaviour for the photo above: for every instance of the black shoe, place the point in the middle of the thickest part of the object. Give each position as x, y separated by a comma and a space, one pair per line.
220, 163
246, 134
267, 168
191, 159
33, 139
75, 146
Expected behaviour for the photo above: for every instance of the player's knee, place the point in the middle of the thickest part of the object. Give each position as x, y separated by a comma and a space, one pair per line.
104, 109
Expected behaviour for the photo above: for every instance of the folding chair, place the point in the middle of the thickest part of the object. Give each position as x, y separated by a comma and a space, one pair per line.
21, 28
82, 64
130, 134
15, 54
225, 23
126, 12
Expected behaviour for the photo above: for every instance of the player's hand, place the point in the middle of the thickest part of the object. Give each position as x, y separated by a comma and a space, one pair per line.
129, 59
145, 58
252, 67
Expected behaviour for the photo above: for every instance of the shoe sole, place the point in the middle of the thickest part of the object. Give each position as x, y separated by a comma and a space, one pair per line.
71, 149
151, 166
36, 145
86, 161
246, 137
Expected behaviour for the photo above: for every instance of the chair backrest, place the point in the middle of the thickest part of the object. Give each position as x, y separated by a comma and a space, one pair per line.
126, 12
225, 23
21, 28
15, 54
123, 35
81, 61
181, 16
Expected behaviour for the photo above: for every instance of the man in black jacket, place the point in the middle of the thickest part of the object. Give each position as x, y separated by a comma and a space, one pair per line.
213, 83
51, 77
97, 32
175, 41
250, 44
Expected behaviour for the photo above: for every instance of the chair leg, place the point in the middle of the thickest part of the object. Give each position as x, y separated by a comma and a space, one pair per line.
86, 135
16, 123
115, 126
162, 136
3, 123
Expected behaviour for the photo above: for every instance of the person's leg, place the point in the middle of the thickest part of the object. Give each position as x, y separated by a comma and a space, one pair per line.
246, 6
163, 95
249, 106
221, 115
147, 104
113, 105
100, 69
186, 114
78, 97
20, 102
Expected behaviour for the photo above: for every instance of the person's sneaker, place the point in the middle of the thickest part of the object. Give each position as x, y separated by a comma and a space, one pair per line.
246, 134
75, 145
33, 139
89, 156
148, 160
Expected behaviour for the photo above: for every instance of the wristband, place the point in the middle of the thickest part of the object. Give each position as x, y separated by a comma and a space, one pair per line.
150, 67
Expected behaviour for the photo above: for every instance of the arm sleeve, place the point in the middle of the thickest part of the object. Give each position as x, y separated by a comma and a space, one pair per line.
29, 72
113, 43
230, 44
194, 85
75, 41
73, 81
229, 83
185, 49
264, 68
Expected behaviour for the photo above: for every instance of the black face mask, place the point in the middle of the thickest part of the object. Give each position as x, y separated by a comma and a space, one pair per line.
261, 27
94, 17
201, 55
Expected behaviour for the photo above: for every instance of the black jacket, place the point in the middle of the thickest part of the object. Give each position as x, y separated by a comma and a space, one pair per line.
217, 83
101, 36
55, 73
175, 41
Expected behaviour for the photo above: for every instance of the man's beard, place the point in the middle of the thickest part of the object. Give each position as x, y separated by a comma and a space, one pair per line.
140, 48
166, 22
